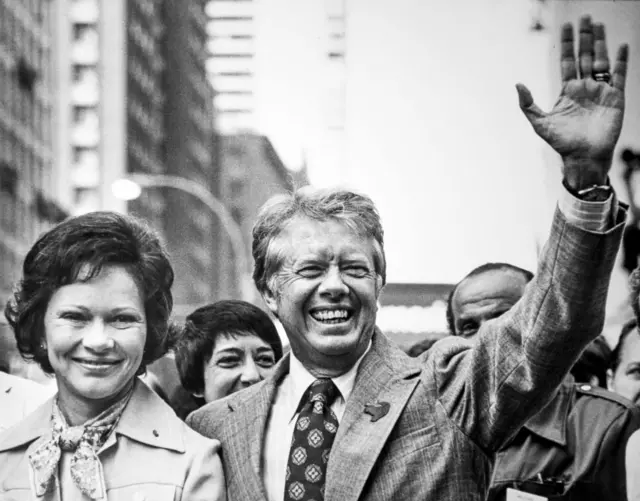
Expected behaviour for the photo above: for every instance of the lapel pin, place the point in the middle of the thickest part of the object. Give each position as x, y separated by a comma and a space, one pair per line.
377, 410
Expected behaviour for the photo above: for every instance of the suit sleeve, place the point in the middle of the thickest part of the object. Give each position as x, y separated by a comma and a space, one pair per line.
633, 467
491, 388
205, 478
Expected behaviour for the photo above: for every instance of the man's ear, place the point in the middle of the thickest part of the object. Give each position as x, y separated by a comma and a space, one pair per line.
271, 301
610, 380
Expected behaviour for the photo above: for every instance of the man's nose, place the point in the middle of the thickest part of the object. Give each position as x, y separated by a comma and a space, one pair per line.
333, 284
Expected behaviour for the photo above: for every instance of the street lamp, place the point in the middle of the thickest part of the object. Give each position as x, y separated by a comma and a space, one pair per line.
130, 188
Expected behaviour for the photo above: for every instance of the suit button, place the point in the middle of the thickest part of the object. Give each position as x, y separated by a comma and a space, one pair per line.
585, 387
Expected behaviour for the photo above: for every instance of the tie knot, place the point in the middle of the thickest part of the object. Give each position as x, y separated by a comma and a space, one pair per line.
323, 390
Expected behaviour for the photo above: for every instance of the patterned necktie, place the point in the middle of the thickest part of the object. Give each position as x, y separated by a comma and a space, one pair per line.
84, 441
313, 436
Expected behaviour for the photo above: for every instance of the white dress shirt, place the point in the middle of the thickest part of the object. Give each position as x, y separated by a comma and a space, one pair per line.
283, 417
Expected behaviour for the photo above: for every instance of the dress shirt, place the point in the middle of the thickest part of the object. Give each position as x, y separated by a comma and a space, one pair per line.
283, 417
590, 216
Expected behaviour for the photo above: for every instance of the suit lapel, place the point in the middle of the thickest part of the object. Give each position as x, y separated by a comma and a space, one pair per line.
248, 421
382, 378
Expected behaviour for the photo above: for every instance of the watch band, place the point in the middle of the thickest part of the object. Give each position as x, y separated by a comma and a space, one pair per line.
595, 193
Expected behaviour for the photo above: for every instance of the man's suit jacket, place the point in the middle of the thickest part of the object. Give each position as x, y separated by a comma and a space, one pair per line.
451, 409
19, 397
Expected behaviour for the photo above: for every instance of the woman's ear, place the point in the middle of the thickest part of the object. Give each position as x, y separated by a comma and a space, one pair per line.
610, 380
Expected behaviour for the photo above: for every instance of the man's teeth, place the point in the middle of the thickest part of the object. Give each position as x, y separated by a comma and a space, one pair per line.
331, 315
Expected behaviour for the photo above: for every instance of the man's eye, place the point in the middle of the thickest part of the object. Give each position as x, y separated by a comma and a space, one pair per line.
357, 271
310, 271
468, 330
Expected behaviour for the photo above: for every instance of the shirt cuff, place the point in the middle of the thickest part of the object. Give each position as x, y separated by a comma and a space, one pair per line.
589, 216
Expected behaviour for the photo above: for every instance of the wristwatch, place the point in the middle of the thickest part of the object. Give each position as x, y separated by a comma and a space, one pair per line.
595, 193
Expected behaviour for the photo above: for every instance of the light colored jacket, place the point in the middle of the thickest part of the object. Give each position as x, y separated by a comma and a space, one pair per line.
152, 456
450, 410
19, 397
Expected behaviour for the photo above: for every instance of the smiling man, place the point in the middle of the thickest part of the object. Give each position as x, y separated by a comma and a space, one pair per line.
348, 416
574, 447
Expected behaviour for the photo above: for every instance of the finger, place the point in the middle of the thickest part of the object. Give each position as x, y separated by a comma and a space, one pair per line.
527, 105
567, 54
585, 49
619, 76
601, 58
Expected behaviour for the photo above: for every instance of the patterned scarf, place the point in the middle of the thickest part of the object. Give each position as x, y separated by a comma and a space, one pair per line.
85, 441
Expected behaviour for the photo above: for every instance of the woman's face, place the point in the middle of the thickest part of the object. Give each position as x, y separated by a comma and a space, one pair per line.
95, 334
236, 363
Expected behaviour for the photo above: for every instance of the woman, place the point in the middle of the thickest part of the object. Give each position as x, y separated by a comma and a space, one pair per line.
92, 308
225, 347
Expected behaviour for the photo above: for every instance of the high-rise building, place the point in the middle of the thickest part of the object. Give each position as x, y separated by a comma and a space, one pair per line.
27, 192
231, 65
189, 153
133, 98
28, 204
109, 102
278, 70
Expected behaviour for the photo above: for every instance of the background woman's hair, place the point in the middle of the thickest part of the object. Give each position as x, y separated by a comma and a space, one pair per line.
195, 342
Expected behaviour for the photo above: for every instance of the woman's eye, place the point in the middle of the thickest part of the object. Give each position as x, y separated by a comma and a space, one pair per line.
73, 316
228, 362
266, 362
124, 320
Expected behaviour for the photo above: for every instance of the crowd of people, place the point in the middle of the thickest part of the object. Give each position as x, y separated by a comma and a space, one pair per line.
524, 400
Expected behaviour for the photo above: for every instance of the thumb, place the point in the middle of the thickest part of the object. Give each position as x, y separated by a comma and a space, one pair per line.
530, 109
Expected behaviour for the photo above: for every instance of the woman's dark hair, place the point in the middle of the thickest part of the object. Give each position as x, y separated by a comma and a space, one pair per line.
88, 243
194, 343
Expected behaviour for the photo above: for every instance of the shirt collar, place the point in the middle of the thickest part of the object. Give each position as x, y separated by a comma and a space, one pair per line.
300, 379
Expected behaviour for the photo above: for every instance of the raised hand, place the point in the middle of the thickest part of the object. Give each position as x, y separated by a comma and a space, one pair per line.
584, 124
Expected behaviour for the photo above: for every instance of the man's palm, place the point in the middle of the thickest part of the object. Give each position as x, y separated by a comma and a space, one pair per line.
585, 122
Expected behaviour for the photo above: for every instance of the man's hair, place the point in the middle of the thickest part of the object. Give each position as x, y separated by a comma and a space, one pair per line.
634, 287
616, 355
88, 243
356, 212
451, 321
195, 342
594, 361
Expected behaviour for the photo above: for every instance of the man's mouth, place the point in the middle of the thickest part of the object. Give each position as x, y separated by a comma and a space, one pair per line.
331, 316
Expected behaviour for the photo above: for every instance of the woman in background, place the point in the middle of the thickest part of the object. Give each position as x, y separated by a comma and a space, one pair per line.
225, 347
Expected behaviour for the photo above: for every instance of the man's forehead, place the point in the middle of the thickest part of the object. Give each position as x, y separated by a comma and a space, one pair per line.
491, 284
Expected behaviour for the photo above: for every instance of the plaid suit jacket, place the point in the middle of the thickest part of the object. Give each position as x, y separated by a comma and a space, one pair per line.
451, 409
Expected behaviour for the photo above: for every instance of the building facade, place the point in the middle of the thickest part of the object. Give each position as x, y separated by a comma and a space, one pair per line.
251, 172
109, 102
28, 202
189, 152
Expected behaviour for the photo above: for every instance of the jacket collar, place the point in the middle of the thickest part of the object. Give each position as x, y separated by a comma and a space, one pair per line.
146, 419
551, 422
